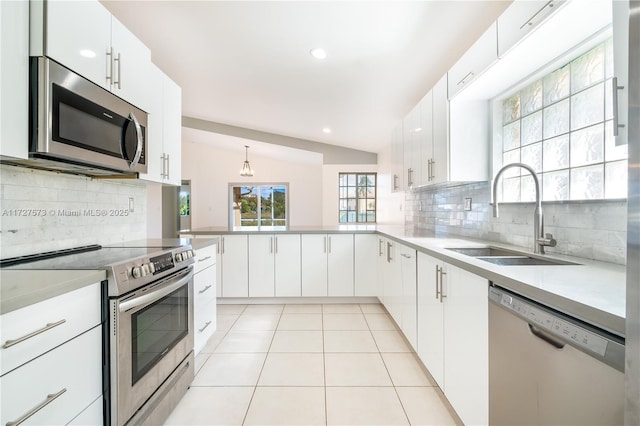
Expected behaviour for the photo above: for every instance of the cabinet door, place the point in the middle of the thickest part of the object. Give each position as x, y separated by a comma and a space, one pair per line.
475, 61
430, 318
261, 266
314, 265
466, 344
382, 268
398, 177
439, 166
520, 18
14, 78
79, 44
408, 299
132, 61
288, 266
393, 283
340, 265
411, 166
365, 271
172, 140
155, 128
235, 266
424, 137
621, 66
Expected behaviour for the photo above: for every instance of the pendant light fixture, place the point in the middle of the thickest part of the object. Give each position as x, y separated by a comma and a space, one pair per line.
246, 167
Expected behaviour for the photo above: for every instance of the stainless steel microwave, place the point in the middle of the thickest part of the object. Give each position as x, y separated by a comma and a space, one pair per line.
79, 127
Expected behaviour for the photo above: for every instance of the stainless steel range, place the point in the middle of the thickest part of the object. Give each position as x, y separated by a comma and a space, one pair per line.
150, 326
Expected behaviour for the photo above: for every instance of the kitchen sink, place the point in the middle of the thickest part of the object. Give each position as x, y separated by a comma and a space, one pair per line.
485, 251
523, 261
505, 257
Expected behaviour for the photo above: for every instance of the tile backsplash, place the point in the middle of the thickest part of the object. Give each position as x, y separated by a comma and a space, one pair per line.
592, 230
42, 211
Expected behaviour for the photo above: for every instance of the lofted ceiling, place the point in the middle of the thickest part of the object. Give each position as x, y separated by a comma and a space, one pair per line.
247, 64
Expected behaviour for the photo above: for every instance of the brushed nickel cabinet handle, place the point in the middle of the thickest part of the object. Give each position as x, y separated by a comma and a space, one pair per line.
110, 67
204, 258
205, 289
47, 327
464, 79
50, 398
614, 92
437, 282
207, 324
442, 295
119, 82
529, 22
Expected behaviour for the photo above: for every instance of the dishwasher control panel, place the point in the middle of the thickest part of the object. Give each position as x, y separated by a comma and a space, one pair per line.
550, 322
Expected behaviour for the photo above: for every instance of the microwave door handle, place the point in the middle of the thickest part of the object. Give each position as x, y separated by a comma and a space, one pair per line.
140, 142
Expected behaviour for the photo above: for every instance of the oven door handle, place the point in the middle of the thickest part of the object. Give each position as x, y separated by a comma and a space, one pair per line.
155, 295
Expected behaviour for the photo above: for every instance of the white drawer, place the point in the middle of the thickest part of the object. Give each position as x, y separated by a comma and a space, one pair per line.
205, 325
59, 319
205, 257
92, 415
75, 367
204, 286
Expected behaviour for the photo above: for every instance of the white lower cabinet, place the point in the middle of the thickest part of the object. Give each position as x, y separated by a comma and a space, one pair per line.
365, 271
92, 415
204, 292
234, 252
453, 340
327, 265
58, 385
262, 266
288, 267
408, 298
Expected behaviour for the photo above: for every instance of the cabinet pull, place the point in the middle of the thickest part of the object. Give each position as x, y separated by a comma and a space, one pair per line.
409, 176
614, 92
380, 242
325, 244
205, 289
49, 326
406, 256
168, 167
389, 245
529, 23
119, 82
442, 295
110, 67
204, 258
276, 243
207, 324
329, 244
271, 245
464, 79
437, 282
49, 400
395, 182
222, 245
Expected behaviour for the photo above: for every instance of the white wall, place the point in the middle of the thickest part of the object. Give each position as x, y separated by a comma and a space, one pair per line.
211, 167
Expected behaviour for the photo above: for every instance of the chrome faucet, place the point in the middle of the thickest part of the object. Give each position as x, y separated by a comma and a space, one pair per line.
540, 238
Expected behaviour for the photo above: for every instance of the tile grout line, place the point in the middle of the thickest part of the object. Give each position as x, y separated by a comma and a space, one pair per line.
255, 388
324, 367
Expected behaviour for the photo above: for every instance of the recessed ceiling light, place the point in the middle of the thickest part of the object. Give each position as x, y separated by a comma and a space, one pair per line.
418, 129
88, 53
318, 53
326, 130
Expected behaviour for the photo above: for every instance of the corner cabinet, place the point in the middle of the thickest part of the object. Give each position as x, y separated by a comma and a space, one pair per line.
453, 335
164, 136
14, 79
98, 46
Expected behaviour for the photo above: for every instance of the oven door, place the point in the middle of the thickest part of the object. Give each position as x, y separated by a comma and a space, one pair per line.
152, 333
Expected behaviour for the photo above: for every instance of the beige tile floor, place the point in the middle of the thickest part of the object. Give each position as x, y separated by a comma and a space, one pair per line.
343, 364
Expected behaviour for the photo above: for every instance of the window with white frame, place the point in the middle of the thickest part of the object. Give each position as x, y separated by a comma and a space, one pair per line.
357, 199
561, 125
261, 206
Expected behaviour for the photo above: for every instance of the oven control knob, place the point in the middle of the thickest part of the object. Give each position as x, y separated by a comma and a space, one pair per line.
136, 272
152, 267
178, 257
193, 253
189, 254
145, 269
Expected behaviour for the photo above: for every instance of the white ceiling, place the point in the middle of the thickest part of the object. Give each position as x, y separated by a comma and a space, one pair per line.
247, 64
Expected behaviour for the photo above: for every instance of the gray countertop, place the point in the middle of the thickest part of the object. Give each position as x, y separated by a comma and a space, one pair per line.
591, 291
20, 288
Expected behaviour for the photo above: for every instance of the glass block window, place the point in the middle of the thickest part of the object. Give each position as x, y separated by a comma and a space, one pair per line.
357, 197
561, 125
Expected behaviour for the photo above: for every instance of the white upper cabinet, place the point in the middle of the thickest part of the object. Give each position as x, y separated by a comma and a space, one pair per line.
440, 157
520, 18
424, 136
397, 152
14, 78
98, 46
411, 149
621, 70
476, 60
164, 134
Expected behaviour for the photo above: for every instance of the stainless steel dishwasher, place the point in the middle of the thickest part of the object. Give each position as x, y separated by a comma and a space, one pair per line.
546, 368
